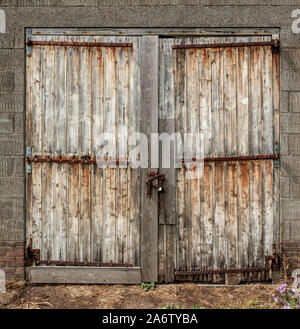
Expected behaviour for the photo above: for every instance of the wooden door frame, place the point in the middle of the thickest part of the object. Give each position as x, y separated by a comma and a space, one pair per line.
149, 125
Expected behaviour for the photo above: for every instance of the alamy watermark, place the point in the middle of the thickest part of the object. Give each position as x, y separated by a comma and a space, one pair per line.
2, 282
159, 151
296, 22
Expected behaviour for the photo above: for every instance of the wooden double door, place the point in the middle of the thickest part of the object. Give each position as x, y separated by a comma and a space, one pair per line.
81, 86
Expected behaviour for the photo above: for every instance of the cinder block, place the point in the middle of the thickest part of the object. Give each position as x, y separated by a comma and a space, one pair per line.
7, 81
7, 39
290, 59
11, 102
290, 209
11, 187
193, 2
295, 187
284, 187
23, 3
12, 144
12, 59
214, 2
284, 101
19, 123
245, 3
284, 144
19, 81
11, 166
295, 101
6, 211
290, 80
294, 144
118, 2
290, 123
6, 123
286, 231
295, 231
154, 2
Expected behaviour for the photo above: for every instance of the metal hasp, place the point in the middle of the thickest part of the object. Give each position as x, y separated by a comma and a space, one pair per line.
272, 264
153, 176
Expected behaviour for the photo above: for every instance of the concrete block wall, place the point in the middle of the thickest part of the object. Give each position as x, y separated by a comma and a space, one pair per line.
216, 14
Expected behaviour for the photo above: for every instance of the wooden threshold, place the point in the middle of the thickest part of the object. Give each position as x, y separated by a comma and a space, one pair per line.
83, 275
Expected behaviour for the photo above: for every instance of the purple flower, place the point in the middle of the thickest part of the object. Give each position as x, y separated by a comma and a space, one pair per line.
282, 288
286, 307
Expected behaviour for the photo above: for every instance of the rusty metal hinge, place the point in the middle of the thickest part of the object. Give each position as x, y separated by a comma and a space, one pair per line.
32, 256
272, 263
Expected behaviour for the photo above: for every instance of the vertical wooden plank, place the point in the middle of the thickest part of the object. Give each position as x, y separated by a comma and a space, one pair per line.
255, 99
207, 220
72, 100
180, 127
149, 124
84, 149
72, 104
268, 216
243, 213
48, 149
230, 100
36, 139
110, 88
276, 134
231, 215
267, 102
85, 213
84, 128
219, 216
242, 101
205, 76
193, 185
134, 183
256, 237
60, 112
122, 172
167, 201
29, 136
96, 172
73, 215
216, 103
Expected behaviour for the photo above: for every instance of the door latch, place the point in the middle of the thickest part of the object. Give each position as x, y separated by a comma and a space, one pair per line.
152, 177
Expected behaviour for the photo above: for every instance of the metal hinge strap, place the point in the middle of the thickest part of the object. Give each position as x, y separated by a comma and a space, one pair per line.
29, 42
277, 152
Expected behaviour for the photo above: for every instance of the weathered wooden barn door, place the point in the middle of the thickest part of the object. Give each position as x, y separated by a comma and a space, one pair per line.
228, 219
79, 87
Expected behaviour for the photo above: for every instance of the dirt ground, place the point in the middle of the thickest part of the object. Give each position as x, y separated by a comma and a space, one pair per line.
183, 296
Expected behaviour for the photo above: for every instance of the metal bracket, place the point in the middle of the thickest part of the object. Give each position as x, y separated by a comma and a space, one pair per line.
29, 42
153, 175
28, 164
